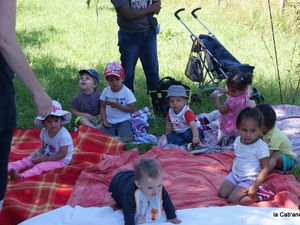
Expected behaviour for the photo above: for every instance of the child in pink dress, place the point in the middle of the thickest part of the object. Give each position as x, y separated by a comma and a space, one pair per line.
238, 98
57, 149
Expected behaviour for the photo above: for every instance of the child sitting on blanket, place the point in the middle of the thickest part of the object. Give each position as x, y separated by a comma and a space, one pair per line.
86, 104
141, 194
251, 162
56, 151
116, 104
182, 125
282, 156
237, 99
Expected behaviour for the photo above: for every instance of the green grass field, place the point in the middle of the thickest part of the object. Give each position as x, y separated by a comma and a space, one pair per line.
62, 37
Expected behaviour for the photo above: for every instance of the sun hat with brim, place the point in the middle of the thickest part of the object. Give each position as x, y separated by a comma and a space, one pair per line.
56, 111
92, 73
176, 91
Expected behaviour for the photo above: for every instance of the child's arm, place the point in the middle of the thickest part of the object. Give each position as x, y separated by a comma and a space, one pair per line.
77, 113
169, 208
125, 108
103, 113
195, 131
169, 127
223, 108
264, 163
38, 152
58, 156
230, 167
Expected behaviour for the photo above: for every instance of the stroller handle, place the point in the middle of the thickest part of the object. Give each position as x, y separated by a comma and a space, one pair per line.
177, 12
194, 12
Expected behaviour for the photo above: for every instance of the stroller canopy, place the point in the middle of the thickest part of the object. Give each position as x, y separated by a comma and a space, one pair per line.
222, 56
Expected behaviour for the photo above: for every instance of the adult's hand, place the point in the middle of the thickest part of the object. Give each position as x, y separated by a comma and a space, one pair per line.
43, 103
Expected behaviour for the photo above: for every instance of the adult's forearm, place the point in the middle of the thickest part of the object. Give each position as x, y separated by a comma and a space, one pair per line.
10, 48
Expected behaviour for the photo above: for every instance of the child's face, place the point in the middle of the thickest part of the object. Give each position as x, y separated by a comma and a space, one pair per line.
264, 129
87, 82
115, 83
177, 103
249, 131
53, 124
150, 186
233, 92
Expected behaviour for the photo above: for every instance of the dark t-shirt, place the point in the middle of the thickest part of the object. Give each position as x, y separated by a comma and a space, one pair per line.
7, 97
87, 103
136, 25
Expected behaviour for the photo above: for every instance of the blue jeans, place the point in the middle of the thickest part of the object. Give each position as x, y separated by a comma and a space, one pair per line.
183, 138
123, 130
143, 45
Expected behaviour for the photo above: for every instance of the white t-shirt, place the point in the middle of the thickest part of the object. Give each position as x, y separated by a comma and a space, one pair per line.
246, 165
124, 97
53, 145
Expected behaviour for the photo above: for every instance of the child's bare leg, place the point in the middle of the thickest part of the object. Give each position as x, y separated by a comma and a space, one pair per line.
226, 188
239, 195
275, 161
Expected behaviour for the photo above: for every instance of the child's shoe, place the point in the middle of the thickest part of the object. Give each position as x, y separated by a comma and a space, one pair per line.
264, 194
224, 141
198, 149
14, 174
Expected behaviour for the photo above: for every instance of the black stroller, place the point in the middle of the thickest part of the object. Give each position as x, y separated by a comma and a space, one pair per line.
210, 62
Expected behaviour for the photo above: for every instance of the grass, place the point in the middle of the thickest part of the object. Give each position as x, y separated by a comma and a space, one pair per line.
62, 37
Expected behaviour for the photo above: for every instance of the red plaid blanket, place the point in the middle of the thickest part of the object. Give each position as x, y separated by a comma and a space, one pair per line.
35, 195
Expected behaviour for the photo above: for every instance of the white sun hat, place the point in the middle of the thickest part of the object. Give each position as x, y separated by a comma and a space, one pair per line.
56, 111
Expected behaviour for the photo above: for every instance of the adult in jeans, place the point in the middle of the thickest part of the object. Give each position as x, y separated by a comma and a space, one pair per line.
137, 39
12, 60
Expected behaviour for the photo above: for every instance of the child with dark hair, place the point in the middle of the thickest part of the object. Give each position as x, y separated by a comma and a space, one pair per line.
251, 162
56, 151
282, 156
116, 104
237, 99
141, 195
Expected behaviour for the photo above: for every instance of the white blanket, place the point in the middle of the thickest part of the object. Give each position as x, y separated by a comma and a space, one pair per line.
227, 215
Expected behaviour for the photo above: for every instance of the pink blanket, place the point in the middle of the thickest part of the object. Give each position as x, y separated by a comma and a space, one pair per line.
192, 181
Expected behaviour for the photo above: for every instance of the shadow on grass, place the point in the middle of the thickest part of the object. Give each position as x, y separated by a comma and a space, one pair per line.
36, 37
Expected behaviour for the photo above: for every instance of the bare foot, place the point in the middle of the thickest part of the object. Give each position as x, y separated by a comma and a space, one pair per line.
14, 174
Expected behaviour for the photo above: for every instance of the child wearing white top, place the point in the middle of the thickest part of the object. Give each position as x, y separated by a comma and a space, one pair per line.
182, 125
251, 161
116, 104
56, 151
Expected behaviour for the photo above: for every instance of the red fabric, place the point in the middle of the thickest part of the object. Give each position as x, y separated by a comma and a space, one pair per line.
192, 181
38, 194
